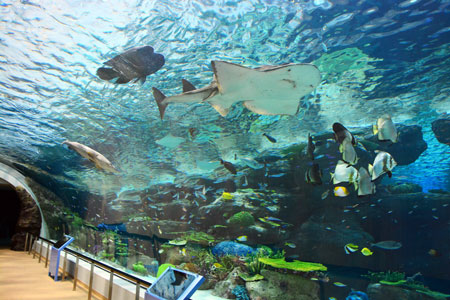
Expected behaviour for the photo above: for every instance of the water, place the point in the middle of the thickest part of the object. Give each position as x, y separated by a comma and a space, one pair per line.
374, 58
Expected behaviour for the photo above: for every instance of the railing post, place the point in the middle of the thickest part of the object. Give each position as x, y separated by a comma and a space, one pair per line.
40, 250
75, 274
91, 279
64, 266
26, 242
46, 255
138, 289
30, 244
111, 278
35, 245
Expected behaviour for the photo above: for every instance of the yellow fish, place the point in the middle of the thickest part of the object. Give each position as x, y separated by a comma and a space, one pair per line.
366, 252
217, 265
341, 191
242, 238
227, 196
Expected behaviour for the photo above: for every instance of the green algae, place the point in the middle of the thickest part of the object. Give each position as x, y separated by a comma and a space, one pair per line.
296, 265
242, 219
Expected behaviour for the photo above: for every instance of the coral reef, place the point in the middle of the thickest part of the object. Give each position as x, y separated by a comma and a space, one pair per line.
241, 219
232, 248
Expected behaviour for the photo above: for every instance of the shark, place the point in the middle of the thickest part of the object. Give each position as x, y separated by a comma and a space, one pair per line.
267, 90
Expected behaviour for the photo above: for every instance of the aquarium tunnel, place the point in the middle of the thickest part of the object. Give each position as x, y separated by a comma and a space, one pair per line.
295, 149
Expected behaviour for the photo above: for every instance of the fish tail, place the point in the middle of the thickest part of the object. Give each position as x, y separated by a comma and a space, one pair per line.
159, 97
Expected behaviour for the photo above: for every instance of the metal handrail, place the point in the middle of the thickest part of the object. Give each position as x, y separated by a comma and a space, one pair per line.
139, 282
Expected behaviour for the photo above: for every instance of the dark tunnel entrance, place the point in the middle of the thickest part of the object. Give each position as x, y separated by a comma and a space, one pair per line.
9, 213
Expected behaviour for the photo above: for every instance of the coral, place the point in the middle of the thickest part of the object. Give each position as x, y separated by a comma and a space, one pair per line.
199, 237
296, 265
385, 276
404, 188
140, 268
162, 268
240, 292
232, 248
242, 219
357, 295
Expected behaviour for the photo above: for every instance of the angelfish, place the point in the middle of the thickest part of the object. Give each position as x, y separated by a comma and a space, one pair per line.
365, 184
310, 147
314, 175
386, 129
383, 163
98, 159
345, 173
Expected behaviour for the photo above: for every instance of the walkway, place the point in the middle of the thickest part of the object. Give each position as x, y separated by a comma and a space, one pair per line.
23, 278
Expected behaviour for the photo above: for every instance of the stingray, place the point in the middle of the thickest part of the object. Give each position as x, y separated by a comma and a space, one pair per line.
136, 63
268, 90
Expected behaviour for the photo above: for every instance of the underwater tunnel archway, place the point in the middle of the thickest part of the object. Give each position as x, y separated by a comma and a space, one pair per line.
17, 183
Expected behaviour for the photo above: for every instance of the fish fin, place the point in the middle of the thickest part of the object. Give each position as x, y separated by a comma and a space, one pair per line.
341, 148
187, 86
107, 73
375, 129
159, 98
142, 79
370, 169
122, 80
389, 173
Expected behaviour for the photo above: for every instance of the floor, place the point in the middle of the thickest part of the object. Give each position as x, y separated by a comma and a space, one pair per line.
23, 278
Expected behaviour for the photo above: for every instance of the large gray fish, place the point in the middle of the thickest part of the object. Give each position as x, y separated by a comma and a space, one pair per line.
136, 63
269, 90
388, 245
98, 159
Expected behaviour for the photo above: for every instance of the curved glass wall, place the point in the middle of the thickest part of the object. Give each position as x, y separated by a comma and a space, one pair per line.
267, 184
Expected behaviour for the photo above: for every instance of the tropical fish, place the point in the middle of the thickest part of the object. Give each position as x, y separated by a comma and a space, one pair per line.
290, 245
325, 194
271, 139
257, 88
366, 252
273, 219
265, 220
339, 284
383, 163
252, 163
314, 175
98, 159
242, 238
348, 152
345, 173
365, 184
217, 265
434, 253
227, 196
310, 147
229, 166
341, 133
350, 248
193, 132
388, 245
385, 129
341, 191
136, 63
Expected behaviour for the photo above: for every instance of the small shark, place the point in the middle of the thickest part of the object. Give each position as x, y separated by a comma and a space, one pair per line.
98, 159
267, 90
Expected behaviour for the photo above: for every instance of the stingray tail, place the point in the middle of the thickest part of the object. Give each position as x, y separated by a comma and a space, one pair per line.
107, 73
159, 97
